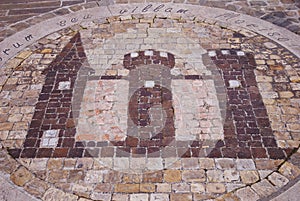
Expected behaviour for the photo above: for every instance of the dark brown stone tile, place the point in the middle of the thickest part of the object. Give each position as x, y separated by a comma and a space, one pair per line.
276, 153
30, 142
131, 141
60, 152
44, 153
28, 153
259, 152
15, 153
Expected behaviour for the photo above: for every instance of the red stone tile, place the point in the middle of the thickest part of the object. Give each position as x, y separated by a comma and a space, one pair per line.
60, 152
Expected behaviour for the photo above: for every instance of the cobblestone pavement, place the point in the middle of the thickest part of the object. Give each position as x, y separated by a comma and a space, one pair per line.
151, 101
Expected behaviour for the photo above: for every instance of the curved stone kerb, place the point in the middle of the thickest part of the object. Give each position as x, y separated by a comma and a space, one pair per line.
14, 44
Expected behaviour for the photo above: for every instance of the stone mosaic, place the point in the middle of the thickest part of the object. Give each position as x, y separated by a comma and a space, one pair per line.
149, 108
51, 131
247, 129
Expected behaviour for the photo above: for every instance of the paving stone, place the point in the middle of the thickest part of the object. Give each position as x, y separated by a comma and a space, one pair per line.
6, 126
225, 163
200, 196
249, 177
154, 164
263, 188
103, 187
8, 190
127, 188
82, 190
117, 197
139, 197
215, 176
21, 176
147, 187
24, 54
54, 194
153, 177
83, 199
247, 194
190, 163
36, 187
69, 164
180, 188
267, 164
84, 163
121, 163
172, 175
206, 163
100, 196
159, 197
163, 187
197, 187
58, 176
215, 188
289, 170
264, 173
231, 186
55, 164
193, 175
39, 164
277, 179
245, 164
178, 197
231, 175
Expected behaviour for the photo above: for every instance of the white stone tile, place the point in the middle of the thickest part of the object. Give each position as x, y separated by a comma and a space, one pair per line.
149, 84
163, 54
234, 83
148, 53
212, 53
240, 53
225, 52
53, 142
45, 142
134, 54
50, 133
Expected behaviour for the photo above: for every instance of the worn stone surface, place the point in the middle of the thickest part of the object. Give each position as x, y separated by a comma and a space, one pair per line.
247, 194
228, 99
277, 179
21, 176
8, 191
249, 177
264, 188
54, 194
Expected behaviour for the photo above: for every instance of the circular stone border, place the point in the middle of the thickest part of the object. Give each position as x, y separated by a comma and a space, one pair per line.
34, 38
227, 19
